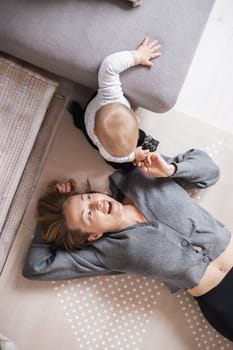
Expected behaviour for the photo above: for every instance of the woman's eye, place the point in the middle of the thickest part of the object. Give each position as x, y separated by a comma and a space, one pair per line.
89, 215
89, 197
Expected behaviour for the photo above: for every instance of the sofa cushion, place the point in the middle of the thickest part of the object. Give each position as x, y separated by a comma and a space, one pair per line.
65, 38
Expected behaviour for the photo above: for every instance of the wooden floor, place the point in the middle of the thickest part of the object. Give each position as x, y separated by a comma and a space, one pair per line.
208, 89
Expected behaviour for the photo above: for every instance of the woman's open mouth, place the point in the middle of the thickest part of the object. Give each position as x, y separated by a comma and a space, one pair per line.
109, 207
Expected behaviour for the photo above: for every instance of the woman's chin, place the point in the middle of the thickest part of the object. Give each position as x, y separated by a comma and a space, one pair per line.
115, 207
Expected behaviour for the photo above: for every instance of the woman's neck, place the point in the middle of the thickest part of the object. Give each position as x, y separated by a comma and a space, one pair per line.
132, 214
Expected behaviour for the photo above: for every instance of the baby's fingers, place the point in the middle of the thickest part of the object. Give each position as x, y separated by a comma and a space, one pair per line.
156, 54
145, 41
156, 48
146, 151
153, 43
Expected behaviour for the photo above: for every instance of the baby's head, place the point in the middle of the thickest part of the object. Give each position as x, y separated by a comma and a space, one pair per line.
116, 126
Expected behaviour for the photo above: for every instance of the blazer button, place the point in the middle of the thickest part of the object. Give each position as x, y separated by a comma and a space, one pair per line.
206, 259
184, 243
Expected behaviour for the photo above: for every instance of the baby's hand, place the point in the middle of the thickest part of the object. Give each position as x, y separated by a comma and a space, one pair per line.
146, 52
140, 155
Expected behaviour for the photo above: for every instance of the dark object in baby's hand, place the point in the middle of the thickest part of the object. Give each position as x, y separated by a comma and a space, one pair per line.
150, 143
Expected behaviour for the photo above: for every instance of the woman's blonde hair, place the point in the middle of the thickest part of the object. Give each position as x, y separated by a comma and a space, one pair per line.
50, 216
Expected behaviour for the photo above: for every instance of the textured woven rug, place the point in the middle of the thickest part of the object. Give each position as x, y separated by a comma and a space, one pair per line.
24, 99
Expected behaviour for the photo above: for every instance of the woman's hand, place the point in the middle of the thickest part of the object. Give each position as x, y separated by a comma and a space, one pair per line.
146, 52
65, 187
155, 165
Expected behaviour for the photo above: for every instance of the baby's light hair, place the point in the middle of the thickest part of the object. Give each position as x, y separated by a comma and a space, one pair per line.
116, 126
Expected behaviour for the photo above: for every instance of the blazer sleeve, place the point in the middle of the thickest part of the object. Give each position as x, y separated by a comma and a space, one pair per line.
45, 262
194, 168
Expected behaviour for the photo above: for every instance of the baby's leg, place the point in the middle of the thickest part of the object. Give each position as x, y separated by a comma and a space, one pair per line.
78, 113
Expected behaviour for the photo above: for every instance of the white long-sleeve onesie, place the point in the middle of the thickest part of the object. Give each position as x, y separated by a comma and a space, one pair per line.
109, 91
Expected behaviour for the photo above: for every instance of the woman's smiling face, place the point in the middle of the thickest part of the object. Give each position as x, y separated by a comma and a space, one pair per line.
93, 213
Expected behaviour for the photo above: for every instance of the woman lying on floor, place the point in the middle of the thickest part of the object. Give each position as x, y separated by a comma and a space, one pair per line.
150, 226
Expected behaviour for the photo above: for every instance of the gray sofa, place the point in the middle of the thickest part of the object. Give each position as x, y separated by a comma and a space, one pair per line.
71, 37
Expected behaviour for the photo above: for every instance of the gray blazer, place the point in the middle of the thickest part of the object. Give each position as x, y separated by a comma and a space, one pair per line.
176, 245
